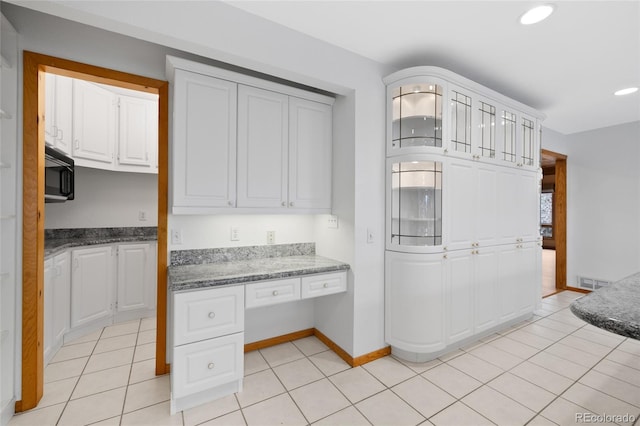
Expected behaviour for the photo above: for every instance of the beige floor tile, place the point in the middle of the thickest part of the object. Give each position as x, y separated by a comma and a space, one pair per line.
310, 345
113, 421
40, 417
557, 325
148, 336
420, 367
559, 365
513, 347
541, 421
545, 332
129, 327
357, 384
81, 350
570, 354
598, 402
156, 415
609, 340
93, 408
349, 416
210, 410
497, 357
490, 338
423, 395
147, 393
542, 377
281, 354
522, 391
451, 380
89, 337
232, 419
625, 358
563, 412
101, 381
389, 371
148, 324
297, 373
57, 392
459, 414
475, 367
144, 352
64, 369
536, 341
623, 390
451, 355
279, 410
143, 370
631, 346
254, 362
115, 343
319, 399
498, 408
386, 408
105, 360
258, 387
329, 363
583, 345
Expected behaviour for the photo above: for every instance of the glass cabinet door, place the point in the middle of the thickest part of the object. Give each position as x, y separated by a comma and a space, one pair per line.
417, 116
487, 125
416, 203
527, 142
508, 123
460, 118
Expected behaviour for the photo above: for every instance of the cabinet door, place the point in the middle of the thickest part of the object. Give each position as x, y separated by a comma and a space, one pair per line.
49, 108
135, 131
94, 125
64, 114
262, 148
460, 186
509, 279
414, 302
204, 142
485, 212
528, 278
48, 310
460, 289
61, 297
91, 285
528, 205
508, 198
485, 274
310, 140
461, 133
133, 277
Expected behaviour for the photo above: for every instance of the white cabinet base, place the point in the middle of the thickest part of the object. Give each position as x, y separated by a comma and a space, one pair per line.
190, 401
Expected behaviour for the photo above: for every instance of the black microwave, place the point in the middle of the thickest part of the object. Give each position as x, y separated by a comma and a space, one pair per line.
58, 176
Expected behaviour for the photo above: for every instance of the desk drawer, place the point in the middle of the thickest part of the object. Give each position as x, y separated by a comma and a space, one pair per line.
323, 284
204, 365
204, 314
272, 292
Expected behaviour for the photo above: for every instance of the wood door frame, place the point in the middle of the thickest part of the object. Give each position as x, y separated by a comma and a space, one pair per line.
560, 217
35, 65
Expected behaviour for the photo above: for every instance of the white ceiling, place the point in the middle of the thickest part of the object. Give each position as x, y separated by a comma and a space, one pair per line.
567, 66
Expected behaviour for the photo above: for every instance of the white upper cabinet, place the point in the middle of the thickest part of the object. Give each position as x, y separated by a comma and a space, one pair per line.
310, 135
263, 147
58, 128
137, 134
94, 125
279, 160
204, 143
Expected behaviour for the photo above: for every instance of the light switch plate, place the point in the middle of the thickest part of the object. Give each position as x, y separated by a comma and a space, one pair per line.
176, 236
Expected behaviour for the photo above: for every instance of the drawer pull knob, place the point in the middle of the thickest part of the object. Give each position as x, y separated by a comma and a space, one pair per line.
210, 366
212, 315
325, 285
275, 292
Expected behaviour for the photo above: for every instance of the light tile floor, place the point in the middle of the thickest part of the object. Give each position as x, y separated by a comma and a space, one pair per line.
545, 371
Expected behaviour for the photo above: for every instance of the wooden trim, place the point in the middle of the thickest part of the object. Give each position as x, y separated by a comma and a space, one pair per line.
578, 289
560, 222
551, 294
371, 356
35, 65
555, 155
261, 344
334, 347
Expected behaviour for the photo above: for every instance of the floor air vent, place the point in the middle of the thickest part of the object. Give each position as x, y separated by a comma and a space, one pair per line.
592, 283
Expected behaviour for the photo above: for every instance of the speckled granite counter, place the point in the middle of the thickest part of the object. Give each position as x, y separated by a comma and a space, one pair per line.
615, 308
191, 269
58, 240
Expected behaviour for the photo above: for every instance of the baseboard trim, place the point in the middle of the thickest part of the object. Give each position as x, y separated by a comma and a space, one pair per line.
353, 362
578, 289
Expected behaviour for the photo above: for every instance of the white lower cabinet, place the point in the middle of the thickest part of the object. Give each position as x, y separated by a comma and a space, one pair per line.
136, 278
57, 303
92, 285
520, 270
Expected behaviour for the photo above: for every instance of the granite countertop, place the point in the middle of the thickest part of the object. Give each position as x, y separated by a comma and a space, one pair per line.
243, 268
614, 308
58, 240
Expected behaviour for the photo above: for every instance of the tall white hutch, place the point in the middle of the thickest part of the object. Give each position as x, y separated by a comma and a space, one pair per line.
463, 248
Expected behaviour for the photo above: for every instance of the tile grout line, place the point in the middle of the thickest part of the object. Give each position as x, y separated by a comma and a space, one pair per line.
126, 390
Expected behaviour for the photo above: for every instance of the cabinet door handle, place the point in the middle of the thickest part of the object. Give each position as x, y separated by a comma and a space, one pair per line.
291, 204
211, 366
274, 292
212, 315
325, 285
444, 256
284, 204
230, 203
77, 143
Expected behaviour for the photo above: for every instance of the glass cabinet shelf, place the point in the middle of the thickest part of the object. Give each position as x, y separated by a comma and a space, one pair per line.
417, 115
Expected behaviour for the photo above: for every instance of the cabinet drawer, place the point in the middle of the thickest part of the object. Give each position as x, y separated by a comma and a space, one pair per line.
319, 285
272, 292
204, 314
204, 365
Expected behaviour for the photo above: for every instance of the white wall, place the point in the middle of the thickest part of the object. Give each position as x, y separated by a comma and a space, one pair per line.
603, 200
105, 199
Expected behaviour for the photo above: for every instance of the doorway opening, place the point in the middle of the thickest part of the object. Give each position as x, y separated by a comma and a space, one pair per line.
35, 68
553, 222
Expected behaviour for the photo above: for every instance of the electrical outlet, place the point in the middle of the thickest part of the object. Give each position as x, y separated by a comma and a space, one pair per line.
370, 237
142, 215
235, 233
332, 222
176, 236
271, 237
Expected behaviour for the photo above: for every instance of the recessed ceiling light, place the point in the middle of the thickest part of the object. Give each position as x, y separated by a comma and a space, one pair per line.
536, 14
627, 91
